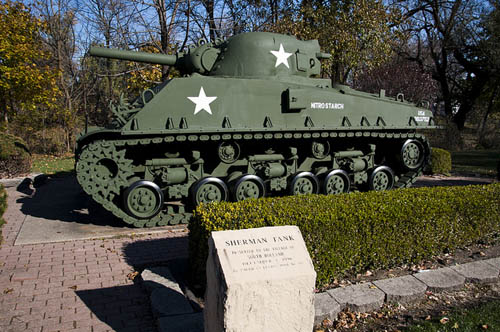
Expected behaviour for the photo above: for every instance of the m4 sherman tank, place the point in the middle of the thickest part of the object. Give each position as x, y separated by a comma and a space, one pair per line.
247, 119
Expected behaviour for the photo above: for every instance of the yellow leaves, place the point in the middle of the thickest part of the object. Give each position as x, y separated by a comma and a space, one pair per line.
356, 33
25, 83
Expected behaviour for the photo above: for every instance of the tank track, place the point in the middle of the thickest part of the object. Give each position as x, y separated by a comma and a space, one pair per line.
104, 188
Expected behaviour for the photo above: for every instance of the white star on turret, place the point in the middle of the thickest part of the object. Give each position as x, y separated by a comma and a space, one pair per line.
281, 57
202, 102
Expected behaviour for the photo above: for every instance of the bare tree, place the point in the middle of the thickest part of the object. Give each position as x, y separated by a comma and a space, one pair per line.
447, 32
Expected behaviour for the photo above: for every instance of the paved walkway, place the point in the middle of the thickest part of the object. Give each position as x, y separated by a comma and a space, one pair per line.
78, 285
83, 285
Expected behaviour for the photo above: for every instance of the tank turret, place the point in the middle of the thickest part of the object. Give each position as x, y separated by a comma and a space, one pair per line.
257, 54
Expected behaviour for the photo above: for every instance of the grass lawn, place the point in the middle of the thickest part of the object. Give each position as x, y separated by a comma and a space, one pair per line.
482, 162
483, 317
52, 165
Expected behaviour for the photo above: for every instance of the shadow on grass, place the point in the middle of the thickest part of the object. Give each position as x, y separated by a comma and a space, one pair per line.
482, 162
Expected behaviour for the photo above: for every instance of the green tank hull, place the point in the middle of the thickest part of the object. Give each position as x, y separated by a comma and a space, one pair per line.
249, 121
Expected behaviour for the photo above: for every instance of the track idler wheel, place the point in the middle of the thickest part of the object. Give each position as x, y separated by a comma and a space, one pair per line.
143, 199
208, 190
412, 154
248, 186
304, 183
381, 178
336, 182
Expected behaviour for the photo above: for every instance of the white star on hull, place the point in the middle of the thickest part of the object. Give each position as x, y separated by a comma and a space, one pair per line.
202, 102
281, 57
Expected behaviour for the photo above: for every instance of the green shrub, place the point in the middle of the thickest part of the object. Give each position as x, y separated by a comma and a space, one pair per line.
440, 161
353, 232
50, 141
3, 207
15, 158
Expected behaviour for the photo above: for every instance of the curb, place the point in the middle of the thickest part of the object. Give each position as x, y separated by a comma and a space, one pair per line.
367, 296
31, 178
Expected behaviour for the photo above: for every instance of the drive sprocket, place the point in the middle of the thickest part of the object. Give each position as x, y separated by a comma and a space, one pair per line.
102, 170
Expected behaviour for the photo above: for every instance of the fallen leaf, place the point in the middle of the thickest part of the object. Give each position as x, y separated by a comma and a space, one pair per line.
8, 290
444, 320
326, 323
455, 326
73, 287
132, 275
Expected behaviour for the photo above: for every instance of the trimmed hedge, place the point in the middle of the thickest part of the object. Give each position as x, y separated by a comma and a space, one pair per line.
15, 158
440, 161
353, 232
3, 207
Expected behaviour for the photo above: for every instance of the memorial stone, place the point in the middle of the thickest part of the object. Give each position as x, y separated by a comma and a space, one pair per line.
259, 279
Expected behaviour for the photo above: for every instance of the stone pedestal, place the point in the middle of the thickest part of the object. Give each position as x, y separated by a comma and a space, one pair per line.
259, 279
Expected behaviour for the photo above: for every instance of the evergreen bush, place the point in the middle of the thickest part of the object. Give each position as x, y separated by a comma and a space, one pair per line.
351, 233
440, 161
15, 158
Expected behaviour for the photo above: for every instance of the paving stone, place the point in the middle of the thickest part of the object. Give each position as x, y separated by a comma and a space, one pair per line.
181, 323
478, 272
166, 302
402, 289
441, 279
159, 277
494, 262
361, 298
325, 306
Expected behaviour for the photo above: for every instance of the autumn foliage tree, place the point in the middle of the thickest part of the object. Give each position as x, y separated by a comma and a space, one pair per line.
358, 34
27, 83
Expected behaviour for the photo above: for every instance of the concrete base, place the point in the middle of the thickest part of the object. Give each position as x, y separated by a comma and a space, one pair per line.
159, 277
182, 323
167, 302
59, 211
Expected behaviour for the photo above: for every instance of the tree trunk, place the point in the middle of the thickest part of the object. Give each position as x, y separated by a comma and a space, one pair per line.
489, 109
5, 115
209, 7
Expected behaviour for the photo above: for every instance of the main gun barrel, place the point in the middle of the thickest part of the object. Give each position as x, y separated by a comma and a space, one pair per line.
160, 59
